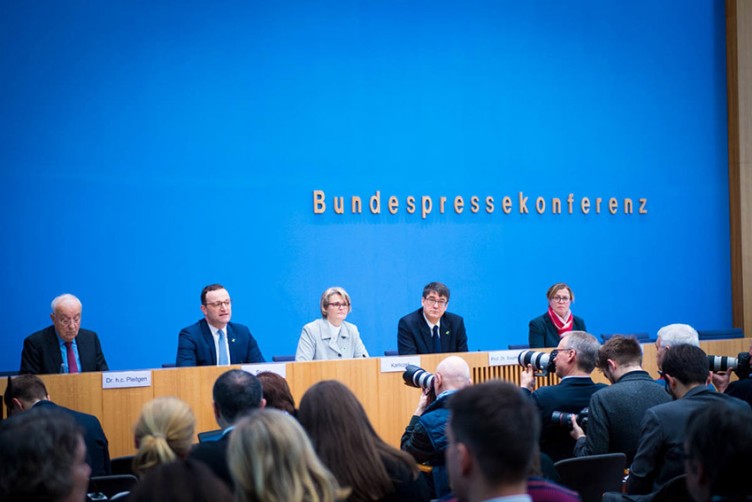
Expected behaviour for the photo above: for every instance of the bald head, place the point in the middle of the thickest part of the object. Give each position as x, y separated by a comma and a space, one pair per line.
452, 373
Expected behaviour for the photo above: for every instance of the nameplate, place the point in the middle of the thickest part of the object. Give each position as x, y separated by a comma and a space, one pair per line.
254, 369
125, 379
397, 364
503, 357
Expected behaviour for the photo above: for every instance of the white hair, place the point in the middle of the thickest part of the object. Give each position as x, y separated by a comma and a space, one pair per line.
677, 334
64, 298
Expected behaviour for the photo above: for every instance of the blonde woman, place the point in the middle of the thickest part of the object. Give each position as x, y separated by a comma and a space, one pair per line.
271, 460
331, 337
163, 433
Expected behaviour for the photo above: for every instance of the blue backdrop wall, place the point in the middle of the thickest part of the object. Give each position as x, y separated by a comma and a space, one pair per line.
151, 148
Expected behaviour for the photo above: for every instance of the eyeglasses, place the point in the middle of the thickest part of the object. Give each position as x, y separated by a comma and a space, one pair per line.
217, 305
67, 321
339, 305
435, 301
561, 299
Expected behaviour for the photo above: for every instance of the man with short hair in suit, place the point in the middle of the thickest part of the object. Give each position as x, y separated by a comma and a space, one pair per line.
25, 392
615, 413
63, 347
575, 360
660, 454
431, 329
215, 340
236, 393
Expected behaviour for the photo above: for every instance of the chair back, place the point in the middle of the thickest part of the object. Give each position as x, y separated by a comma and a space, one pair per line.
112, 485
518, 346
391, 352
592, 475
283, 359
641, 337
720, 334
122, 465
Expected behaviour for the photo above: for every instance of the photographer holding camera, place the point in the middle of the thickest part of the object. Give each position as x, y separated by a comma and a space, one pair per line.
742, 388
615, 412
575, 360
425, 436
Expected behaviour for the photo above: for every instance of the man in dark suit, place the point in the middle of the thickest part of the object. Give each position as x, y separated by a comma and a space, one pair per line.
575, 361
25, 392
431, 329
63, 347
660, 454
215, 340
236, 394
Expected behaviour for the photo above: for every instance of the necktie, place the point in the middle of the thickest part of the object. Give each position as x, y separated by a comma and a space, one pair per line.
222, 348
72, 366
436, 340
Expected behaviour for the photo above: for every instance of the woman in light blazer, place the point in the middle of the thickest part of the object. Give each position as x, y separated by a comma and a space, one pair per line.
331, 337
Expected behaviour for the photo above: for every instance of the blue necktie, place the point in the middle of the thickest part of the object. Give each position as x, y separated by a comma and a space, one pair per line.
222, 348
436, 340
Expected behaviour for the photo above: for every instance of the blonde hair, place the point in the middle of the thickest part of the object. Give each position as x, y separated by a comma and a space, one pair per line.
271, 460
335, 290
164, 433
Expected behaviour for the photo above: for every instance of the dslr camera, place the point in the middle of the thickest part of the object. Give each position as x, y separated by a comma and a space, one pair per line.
564, 418
542, 362
415, 376
739, 364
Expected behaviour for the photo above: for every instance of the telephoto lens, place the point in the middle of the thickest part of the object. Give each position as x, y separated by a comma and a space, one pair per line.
541, 361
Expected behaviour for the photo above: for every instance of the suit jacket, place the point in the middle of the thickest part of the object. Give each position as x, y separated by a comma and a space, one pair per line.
196, 345
214, 454
414, 336
741, 389
616, 413
660, 454
543, 333
316, 342
97, 448
570, 395
41, 352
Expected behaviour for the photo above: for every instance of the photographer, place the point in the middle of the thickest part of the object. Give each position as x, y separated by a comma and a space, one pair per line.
615, 412
575, 361
741, 389
425, 435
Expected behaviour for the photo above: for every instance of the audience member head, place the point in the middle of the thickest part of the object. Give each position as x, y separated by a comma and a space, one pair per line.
684, 367
346, 442
216, 305
163, 433
671, 335
271, 459
619, 355
66, 316
718, 446
276, 392
23, 392
236, 393
43, 458
490, 453
181, 481
452, 373
577, 353
435, 301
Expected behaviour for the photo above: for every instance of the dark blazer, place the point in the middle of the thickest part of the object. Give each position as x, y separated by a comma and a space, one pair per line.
414, 337
543, 333
741, 389
196, 345
571, 395
214, 454
97, 448
41, 352
660, 454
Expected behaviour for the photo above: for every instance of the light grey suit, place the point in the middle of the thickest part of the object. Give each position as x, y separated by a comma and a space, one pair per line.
316, 342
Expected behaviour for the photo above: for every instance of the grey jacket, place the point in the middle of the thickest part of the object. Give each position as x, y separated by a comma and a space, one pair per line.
316, 342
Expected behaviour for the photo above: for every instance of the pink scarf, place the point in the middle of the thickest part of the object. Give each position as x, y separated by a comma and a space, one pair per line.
562, 325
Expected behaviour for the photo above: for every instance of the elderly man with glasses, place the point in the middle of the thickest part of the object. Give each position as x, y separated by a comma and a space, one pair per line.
214, 340
64, 347
431, 329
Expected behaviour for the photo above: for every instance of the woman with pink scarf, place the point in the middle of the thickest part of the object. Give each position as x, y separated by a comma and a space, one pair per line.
546, 330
